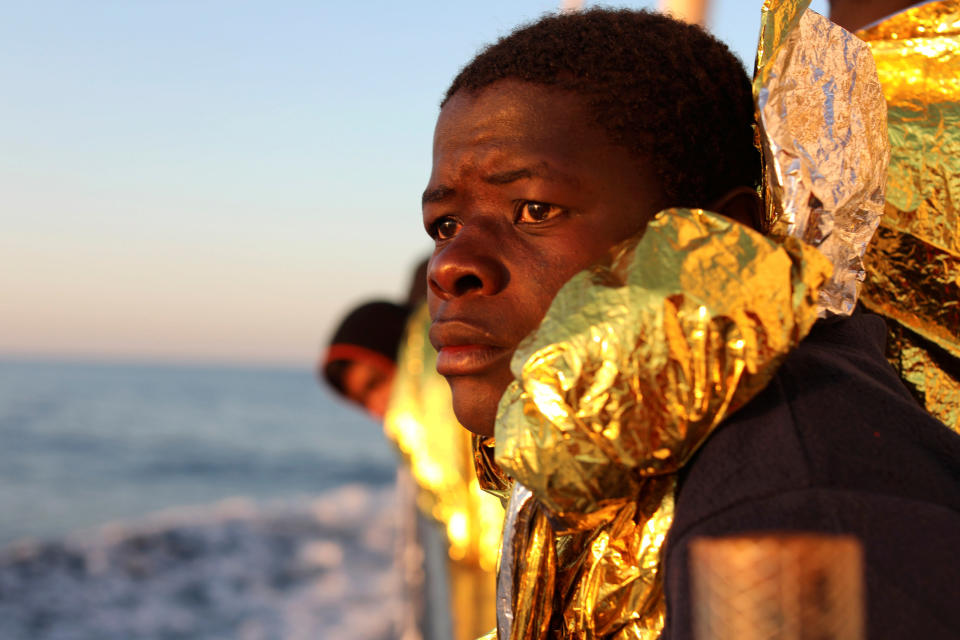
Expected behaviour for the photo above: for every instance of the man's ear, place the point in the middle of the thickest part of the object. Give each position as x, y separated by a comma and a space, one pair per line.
741, 204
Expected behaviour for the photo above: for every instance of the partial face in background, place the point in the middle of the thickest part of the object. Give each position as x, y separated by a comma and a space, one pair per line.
368, 386
525, 192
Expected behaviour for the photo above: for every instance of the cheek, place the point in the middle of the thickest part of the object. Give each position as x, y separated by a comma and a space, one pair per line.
378, 399
552, 272
560, 262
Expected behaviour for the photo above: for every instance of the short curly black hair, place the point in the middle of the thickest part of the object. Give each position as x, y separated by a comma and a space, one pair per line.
665, 89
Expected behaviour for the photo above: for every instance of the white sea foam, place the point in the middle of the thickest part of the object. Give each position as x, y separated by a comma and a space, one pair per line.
318, 568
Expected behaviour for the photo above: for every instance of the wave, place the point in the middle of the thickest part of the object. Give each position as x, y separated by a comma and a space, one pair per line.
313, 568
307, 469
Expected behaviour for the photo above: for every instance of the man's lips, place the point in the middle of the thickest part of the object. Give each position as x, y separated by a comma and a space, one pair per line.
464, 348
467, 359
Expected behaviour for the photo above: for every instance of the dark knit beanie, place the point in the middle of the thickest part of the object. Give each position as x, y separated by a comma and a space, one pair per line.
370, 333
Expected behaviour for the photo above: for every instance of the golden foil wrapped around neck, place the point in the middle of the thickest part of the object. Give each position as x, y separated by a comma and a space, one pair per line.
634, 365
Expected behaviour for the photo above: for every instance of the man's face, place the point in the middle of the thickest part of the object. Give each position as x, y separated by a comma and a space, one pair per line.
525, 192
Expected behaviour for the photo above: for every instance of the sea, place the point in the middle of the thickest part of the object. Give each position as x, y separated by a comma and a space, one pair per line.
185, 502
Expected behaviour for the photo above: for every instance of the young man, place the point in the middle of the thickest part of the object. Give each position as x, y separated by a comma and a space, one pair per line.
553, 146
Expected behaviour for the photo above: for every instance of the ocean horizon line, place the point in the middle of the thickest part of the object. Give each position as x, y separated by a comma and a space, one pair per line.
153, 362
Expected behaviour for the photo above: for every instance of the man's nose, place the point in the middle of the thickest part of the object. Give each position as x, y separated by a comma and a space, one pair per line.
470, 262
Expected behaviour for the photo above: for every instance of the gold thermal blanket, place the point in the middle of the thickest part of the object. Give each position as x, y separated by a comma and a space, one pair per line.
820, 114
635, 363
914, 260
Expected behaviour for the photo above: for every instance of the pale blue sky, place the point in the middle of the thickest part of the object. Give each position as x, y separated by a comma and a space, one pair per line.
213, 180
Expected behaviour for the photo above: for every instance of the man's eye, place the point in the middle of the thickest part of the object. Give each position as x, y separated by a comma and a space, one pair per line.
533, 212
444, 228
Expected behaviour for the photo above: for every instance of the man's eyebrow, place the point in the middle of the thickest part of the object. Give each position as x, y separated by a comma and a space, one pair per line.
506, 177
541, 170
436, 195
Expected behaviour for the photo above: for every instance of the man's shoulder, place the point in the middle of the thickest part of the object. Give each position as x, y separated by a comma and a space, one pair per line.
834, 417
834, 444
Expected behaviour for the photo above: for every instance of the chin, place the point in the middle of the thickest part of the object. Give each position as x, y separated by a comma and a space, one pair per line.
475, 404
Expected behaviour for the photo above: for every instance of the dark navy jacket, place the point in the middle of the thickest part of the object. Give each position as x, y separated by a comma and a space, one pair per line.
835, 443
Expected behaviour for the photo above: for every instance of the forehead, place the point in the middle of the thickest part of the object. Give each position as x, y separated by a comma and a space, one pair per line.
487, 140
518, 116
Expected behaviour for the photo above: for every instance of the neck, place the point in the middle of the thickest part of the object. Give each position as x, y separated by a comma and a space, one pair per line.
856, 14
